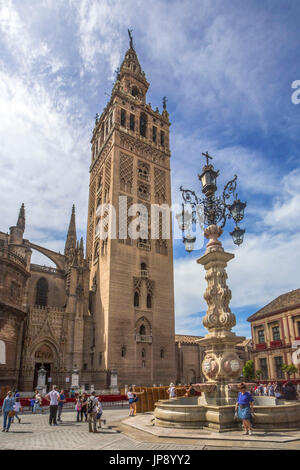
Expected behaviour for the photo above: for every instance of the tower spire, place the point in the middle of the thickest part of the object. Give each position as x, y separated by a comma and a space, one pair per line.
21, 218
131, 77
70, 245
130, 38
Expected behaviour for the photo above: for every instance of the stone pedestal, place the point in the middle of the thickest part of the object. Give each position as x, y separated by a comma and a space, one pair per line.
41, 384
114, 381
221, 364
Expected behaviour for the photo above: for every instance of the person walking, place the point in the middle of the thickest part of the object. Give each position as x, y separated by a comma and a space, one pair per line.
37, 402
84, 407
31, 403
8, 411
62, 400
244, 407
17, 409
92, 406
78, 407
99, 413
53, 398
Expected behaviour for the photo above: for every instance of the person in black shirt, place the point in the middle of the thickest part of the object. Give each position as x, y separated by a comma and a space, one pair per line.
289, 392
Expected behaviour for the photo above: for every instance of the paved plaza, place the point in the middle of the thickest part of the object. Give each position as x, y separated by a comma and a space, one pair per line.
123, 433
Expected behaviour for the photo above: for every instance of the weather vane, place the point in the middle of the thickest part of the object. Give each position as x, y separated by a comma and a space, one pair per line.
130, 37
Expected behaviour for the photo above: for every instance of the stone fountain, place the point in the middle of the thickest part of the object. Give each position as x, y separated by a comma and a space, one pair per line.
221, 365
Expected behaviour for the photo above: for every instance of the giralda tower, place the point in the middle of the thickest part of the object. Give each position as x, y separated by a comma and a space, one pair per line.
131, 279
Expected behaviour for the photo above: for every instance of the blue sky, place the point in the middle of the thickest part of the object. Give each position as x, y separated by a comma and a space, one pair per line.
226, 67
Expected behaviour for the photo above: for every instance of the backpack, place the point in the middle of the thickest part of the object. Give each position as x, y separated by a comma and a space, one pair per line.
91, 404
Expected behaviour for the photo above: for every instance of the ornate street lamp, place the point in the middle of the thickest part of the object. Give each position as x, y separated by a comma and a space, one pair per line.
221, 365
217, 209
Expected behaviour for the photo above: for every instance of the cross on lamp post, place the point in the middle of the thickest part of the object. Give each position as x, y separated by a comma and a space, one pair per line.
207, 156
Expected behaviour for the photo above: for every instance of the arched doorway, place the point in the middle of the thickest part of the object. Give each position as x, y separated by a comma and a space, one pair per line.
43, 356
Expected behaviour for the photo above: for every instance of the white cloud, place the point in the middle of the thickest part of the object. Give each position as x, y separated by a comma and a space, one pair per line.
285, 215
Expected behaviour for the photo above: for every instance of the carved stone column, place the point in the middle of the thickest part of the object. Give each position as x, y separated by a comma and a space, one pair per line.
221, 364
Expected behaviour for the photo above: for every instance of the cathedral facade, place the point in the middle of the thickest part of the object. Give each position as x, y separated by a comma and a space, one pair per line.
110, 310
44, 314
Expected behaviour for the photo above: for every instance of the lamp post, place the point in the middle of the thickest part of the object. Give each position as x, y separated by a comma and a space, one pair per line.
221, 365
216, 209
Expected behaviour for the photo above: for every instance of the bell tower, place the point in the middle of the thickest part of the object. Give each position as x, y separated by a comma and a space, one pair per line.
131, 278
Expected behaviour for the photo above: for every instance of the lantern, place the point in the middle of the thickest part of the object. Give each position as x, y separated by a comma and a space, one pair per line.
189, 242
237, 210
237, 235
209, 180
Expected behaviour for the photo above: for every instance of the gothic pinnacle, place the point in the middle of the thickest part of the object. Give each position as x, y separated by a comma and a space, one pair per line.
21, 218
71, 237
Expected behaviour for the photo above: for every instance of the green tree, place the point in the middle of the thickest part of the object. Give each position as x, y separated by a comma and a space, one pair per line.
248, 370
289, 369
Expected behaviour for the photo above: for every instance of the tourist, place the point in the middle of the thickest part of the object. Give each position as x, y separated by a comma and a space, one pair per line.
191, 392
31, 403
278, 391
8, 411
78, 407
84, 406
92, 406
37, 402
99, 413
136, 399
17, 409
53, 398
131, 397
271, 391
260, 389
171, 391
62, 400
265, 390
72, 393
244, 407
289, 392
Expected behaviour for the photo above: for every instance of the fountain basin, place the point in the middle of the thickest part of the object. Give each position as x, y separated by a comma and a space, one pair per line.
190, 414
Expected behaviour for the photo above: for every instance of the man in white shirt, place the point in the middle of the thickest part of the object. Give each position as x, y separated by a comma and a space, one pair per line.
53, 397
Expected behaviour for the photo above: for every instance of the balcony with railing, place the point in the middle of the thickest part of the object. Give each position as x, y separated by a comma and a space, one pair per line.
45, 269
260, 346
10, 255
144, 246
144, 273
276, 344
143, 338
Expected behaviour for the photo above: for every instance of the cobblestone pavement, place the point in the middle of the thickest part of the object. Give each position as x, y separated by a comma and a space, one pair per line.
34, 433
